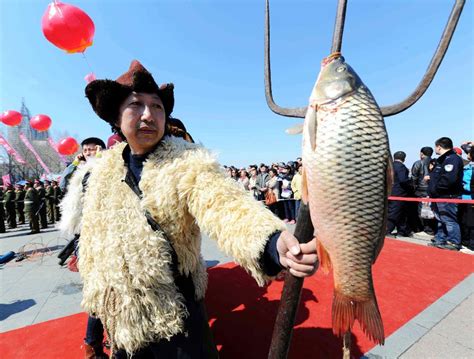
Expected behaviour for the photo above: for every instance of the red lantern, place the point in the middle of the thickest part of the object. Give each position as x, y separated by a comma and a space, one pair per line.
67, 27
11, 118
68, 146
40, 123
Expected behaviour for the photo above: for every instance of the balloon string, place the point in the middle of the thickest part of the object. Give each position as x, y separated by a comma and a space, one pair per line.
87, 62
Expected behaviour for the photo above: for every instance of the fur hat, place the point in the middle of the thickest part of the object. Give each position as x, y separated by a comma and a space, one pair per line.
106, 96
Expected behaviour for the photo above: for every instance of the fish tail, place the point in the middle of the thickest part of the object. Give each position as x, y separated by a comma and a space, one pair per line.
324, 259
345, 311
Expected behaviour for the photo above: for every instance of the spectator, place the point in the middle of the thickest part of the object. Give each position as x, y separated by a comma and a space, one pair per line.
243, 179
274, 185
296, 185
419, 171
401, 187
446, 182
285, 176
466, 210
262, 181
253, 182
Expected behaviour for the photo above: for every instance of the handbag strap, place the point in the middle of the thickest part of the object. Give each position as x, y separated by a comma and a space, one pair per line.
131, 181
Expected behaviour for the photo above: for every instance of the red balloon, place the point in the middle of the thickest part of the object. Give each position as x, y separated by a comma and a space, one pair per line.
67, 27
11, 118
68, 146
40, 123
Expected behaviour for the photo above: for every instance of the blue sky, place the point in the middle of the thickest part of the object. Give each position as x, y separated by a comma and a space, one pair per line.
213, 52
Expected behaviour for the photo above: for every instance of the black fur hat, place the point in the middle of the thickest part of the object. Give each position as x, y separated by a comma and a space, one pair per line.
106, 96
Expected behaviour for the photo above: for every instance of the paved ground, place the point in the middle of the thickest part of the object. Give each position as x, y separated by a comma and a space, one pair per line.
37, 289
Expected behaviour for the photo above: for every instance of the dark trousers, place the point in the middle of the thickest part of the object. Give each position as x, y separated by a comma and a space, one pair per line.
199, 344
2, 220
297, 207
33, 221
20, 211
397, 218
57, 212
43, 215
466, 221
94, 333
11, 217
448, 226
289, 209
51, 211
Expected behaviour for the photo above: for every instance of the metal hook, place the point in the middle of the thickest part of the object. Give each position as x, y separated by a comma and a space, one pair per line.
391, 110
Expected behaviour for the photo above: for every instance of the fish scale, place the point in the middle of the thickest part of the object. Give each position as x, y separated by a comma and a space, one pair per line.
345, 165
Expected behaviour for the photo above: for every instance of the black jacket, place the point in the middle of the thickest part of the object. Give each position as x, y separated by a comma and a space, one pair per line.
418, 171
401, 182
446, 178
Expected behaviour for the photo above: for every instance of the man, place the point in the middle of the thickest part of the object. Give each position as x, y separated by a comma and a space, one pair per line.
397, 215
446, 182
419, 171
42, 210
19, 203
90, 148
49, 196
2, 212
57, 196
262, 180
32, 203
9, 200
147, 200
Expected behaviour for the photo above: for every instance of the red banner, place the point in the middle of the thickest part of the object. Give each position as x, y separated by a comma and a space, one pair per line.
427, 199
33, 151
11, 151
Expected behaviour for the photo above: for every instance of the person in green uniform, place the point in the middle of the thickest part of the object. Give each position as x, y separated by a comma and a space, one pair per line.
42, 204
10, 206
49, 201
2, 212
57, 196
19, 204
31, 207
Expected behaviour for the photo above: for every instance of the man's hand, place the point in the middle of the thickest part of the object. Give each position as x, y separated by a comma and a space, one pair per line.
299, 258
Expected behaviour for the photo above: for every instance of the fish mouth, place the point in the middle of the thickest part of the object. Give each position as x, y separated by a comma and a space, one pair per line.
331, 58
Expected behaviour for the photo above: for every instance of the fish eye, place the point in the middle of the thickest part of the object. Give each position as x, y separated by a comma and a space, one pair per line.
341, 69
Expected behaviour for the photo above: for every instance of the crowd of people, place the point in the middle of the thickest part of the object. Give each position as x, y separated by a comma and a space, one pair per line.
35, 202
449, 225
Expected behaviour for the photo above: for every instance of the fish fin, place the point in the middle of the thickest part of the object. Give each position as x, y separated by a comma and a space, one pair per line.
388, 190
323, 256
345, 311
295, 130
304, 187
368, 315
312, 118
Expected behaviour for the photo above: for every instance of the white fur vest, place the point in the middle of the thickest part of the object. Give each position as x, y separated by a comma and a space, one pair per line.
125, 265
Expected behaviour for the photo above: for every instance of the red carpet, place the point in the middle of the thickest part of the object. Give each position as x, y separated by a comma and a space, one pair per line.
408, 278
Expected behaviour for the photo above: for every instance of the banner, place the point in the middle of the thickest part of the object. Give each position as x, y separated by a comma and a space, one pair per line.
11, 151
6, 180
53, 145
33, 151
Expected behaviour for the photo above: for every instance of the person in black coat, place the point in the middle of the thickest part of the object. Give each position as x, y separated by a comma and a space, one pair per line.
397, 216
446, 182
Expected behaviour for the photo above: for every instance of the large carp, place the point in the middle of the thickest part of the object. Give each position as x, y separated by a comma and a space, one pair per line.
347, 179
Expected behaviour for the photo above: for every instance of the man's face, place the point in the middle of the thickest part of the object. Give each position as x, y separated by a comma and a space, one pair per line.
263, 169
438, 150
142, 121
89, 150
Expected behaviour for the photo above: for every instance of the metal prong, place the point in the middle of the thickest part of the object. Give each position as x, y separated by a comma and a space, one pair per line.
433, 66
288, 112
339, 26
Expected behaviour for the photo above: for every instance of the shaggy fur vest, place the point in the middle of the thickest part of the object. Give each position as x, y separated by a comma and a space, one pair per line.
126, 266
